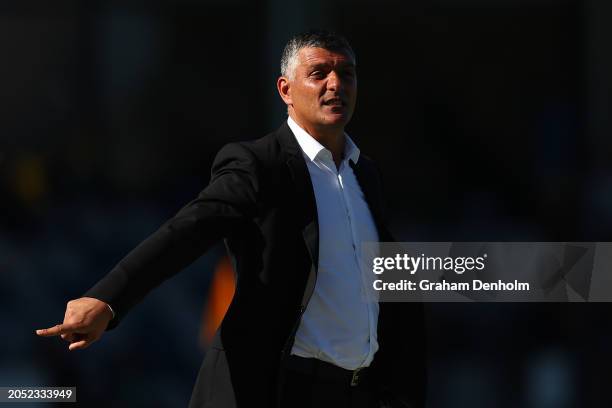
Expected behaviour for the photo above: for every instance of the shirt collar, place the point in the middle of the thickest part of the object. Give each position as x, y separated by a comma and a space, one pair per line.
312, 148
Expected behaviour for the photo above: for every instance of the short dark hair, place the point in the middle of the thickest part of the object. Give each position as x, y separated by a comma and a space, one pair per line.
313, 38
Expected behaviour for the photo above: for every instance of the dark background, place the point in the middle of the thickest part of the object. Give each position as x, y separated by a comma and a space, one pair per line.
490, 120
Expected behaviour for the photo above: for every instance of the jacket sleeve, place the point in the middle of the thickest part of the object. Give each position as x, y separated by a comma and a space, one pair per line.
401, 362
230, 199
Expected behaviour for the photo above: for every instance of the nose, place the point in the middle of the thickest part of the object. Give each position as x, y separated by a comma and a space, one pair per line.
333, 81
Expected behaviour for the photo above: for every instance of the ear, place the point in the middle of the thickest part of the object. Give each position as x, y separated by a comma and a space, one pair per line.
284, 89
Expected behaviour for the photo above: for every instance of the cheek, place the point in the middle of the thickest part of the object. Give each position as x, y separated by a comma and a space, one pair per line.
310, 99
307, 97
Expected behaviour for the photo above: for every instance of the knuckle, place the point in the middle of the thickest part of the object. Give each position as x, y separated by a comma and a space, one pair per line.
76, 321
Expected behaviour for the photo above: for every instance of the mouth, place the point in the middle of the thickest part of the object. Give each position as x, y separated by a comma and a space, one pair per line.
334, 102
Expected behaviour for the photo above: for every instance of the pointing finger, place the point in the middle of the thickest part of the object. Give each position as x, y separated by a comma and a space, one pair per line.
58, 329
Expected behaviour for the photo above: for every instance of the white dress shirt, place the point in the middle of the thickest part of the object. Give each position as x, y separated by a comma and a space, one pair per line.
339, 324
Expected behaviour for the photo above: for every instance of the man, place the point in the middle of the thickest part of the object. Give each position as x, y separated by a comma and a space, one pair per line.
294, 208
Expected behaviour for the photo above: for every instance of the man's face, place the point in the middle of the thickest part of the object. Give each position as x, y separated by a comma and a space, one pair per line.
323, 89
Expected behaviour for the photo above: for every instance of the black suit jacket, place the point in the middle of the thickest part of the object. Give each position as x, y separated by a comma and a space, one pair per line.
261, 200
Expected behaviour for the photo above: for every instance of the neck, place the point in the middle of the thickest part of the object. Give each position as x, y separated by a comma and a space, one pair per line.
331, 137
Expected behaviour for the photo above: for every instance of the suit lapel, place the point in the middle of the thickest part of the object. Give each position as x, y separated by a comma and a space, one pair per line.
306, 206
368, 181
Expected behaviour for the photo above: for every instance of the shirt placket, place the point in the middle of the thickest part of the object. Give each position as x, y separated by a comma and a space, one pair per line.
344, 193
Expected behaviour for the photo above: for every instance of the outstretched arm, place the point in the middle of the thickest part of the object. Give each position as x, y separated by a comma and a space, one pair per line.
229, 200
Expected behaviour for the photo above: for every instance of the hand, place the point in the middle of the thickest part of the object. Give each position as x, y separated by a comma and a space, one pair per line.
85, 321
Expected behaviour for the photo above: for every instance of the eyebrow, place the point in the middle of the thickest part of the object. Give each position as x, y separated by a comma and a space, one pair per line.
325, 65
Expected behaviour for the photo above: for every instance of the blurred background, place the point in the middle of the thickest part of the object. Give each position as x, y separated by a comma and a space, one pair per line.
490, 121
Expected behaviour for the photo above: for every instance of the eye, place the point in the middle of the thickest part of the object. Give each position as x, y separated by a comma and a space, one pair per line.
349, 73
317, 74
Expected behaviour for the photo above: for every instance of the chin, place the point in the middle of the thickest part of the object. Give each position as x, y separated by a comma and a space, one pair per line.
336, 120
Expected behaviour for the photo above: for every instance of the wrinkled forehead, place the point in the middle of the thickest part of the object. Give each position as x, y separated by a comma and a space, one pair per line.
312, 56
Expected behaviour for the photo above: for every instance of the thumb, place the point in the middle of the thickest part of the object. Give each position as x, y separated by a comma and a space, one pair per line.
78, 345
